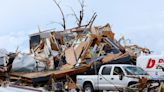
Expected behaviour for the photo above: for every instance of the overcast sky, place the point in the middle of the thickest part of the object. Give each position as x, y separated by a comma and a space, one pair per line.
142, 21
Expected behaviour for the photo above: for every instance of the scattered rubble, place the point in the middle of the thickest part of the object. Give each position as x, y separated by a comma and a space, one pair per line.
64, 54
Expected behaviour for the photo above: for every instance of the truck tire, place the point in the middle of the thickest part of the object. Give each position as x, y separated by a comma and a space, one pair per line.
88, 88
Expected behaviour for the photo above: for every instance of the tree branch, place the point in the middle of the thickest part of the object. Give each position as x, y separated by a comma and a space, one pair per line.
74, 14
90, 22
63, 17
81, 13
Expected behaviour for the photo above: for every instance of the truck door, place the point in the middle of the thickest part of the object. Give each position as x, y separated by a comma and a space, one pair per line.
104, 82
118, 79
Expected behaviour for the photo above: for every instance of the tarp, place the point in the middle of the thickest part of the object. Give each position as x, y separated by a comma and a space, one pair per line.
26, 63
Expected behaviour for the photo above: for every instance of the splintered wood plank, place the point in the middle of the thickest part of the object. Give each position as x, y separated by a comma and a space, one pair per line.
70, 56
56, 73
78, 50
32, 74
109, 34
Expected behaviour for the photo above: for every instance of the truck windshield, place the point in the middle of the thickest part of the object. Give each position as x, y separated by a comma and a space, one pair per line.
130, 70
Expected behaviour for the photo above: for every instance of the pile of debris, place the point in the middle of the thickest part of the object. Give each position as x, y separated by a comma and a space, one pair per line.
6, 60
71, 48
57, 54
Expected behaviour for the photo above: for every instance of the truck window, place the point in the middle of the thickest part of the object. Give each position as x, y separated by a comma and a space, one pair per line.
131, 70
118, 71
106, 70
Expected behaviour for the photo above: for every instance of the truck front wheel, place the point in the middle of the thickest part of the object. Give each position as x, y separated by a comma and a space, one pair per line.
88, 88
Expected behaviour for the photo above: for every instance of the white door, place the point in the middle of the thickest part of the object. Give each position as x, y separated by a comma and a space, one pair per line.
104, 80
118, 79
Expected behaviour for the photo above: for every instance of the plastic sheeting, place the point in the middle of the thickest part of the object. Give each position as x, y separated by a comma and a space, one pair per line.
26, 63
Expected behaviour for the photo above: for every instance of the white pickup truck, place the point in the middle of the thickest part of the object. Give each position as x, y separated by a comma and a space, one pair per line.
113, 77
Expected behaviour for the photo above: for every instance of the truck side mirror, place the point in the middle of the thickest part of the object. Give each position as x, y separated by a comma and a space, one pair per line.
121, 77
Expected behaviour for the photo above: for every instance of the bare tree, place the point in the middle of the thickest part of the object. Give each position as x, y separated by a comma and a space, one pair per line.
78, 19
81, 16
81, 13
63, 17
